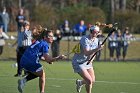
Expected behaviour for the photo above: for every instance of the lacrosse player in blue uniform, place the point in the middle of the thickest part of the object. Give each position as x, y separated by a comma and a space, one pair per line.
88, 46
30, 59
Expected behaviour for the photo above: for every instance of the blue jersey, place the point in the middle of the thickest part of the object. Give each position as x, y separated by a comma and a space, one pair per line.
32, 55
80, 28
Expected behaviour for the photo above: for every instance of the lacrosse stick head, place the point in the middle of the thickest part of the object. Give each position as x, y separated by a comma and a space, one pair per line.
114, 28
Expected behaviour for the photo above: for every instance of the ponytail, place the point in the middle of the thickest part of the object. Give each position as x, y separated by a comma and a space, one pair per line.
40, 32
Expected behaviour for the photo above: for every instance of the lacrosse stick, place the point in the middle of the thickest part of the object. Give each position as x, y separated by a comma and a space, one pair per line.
114, 28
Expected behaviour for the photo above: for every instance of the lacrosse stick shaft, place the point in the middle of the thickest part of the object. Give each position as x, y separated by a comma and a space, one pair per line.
96, 52
68, 53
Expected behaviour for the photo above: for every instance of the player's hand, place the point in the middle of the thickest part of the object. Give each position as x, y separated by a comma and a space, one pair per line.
110, 25
100, 47
62, 57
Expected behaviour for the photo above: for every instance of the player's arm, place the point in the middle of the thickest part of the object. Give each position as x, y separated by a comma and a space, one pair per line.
86, 47
50, 59
91, 52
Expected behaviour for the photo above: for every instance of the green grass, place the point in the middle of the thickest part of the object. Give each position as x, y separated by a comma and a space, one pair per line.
111, 77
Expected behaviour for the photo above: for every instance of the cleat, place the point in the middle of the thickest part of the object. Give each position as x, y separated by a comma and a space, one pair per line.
21, 85
78, 85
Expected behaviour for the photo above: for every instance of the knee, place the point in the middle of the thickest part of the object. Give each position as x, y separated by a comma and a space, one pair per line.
42, 74
42, 77
90, 81
93, 81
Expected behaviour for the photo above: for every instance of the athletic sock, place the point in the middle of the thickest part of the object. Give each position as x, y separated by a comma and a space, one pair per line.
24, 80
80, 82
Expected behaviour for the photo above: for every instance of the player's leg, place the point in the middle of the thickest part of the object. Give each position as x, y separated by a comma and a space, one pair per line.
88, 78
30, 76
92, 74
41, 75
34, 71
33, 75
21, 82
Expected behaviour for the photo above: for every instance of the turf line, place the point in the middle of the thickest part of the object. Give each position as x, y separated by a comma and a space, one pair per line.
62, 79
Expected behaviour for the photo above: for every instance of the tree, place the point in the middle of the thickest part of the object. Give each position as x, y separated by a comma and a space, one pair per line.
112, 10
138, 6
123, 5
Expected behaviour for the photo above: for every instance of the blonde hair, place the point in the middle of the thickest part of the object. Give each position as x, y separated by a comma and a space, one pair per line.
39, 32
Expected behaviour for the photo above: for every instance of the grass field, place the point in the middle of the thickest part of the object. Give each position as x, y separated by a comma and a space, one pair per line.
111, 77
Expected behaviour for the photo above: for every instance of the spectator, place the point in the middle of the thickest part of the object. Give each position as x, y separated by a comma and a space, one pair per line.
80, 29
24, 40
126, 38
3, 36
1, 21
2, 41
65, 28
5, 19
100, 38
112, 45
119, 41
20, 18
55, 47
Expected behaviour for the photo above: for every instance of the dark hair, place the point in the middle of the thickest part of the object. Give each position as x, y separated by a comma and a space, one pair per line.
45, 33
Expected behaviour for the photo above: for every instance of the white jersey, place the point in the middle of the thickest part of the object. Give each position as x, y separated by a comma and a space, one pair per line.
87, 43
